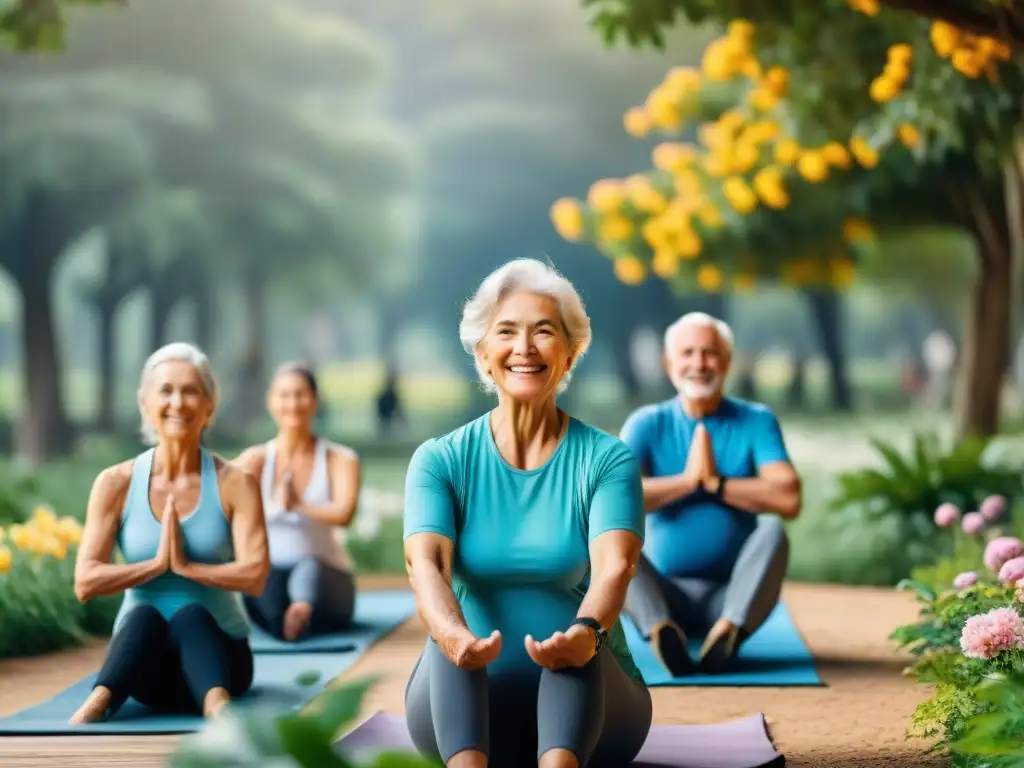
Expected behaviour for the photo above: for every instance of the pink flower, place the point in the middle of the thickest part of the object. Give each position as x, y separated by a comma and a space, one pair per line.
998, 551
946, 514
965, 580
973, 523
993, 507
1012, 571
989, 634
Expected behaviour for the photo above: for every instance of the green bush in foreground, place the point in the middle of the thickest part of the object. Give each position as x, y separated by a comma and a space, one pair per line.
969, 645
254, 739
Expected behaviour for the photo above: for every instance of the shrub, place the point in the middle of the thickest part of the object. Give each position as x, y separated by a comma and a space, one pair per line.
258, 739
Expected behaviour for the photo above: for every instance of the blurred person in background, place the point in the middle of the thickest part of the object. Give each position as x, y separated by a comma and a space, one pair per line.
717, 480
521, 533
310, 488
190, 528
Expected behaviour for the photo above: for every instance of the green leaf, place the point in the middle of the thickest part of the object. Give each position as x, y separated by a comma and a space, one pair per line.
923, 591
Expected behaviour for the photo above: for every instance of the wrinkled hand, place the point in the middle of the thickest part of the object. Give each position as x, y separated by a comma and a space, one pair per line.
172, 527
287, 498
467, 651
700, 460
572, 648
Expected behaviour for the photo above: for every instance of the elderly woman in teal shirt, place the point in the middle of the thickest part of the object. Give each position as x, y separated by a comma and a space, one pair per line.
522, 530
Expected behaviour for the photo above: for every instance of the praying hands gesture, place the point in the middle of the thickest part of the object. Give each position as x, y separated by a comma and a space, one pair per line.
172, 549
287, 498
700, 461
572, 648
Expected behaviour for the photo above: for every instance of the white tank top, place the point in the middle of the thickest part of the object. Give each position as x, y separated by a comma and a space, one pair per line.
293, 536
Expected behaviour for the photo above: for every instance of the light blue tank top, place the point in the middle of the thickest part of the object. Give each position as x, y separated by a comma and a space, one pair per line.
206, 536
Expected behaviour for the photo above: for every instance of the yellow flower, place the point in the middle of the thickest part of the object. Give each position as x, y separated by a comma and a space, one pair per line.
813, 166
709, 278
615, 229
761, 132
901, 52
745, 157
883, 89
665, 264
842, 273
687, 184
856, 230
643, 195
744, 282
682, 80
740, 196
769, 187
630, 270
5, 559
863, 152
688, 244
655, 233
69, 530
777, 79
20, 535
909, 135
44, 518
717, 64
663, 110
637, 122
567, 218
709, 215
716, 164
945, 38
752, 69
967, 62
867, 7
673, 156
787, 152
606, 196
763, 98
897, 71
836, 154
740, 29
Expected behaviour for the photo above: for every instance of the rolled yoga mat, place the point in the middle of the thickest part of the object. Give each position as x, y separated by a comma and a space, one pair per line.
738, 744
775, 655
377, 613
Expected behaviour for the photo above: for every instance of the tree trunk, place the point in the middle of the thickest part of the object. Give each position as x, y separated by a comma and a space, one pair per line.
161, 305
43, 431
827, 309
985, 352
254, 363
106, 315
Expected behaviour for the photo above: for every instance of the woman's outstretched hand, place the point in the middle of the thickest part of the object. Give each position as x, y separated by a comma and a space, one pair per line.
467, 651
572, 648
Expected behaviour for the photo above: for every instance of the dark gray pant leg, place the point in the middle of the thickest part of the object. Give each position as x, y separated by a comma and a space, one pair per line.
267, 610
652, 599
597, 712
331, 592
756, 582
446, 708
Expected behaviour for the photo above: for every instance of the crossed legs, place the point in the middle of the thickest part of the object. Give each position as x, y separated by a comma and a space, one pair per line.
595, 715
310, 596
667, 610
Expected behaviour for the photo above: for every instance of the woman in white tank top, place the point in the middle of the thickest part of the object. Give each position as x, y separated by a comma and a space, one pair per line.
310, 488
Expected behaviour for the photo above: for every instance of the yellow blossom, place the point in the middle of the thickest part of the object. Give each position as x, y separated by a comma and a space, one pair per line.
777, 79
909, 135
665, 264
637, 122
813, 166
606, 196
740, 196
883, 89
673, 156
709, 278
863, 152
630, 270
615, 229
945, 38
567, 219
6, 557
836, 154
787, 152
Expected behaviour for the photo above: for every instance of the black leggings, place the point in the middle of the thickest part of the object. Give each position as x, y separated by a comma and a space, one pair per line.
329, 590
597, 712
170, 665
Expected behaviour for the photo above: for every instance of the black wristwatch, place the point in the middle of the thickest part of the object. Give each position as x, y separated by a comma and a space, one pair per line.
600, 632
720, 488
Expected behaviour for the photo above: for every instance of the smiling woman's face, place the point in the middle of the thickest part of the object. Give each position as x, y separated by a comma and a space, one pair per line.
526, 350
175, 403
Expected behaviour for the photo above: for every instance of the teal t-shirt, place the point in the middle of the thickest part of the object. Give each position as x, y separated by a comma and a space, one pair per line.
521, 537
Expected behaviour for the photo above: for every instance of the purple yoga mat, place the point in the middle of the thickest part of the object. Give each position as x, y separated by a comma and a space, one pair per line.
739, 744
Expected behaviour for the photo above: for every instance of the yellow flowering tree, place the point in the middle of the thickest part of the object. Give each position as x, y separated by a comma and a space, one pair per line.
815, 131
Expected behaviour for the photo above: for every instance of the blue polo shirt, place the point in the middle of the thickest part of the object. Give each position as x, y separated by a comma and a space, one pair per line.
699, 536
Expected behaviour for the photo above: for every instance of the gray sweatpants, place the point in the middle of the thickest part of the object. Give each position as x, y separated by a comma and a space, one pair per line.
597, 712
745, 600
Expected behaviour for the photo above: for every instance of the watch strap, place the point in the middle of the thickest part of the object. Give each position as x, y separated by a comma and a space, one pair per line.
600, 632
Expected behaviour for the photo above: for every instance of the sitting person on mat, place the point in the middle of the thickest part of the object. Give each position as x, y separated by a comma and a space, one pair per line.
521, 533
190, 529
310, 589
717, 479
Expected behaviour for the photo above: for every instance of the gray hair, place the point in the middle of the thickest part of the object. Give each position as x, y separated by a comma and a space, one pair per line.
530, 276
181, 352
703, 320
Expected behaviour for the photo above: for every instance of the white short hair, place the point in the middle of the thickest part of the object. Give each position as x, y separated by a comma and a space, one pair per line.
530, 276
182, 352
703, 320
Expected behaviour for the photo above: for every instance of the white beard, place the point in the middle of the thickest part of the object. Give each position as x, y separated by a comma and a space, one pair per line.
699, 390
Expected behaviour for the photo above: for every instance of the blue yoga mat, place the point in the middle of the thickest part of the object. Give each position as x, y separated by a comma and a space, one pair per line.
274, 685
377, 613
775, 655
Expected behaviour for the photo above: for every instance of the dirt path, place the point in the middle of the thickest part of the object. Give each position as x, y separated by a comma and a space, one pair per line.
857, 721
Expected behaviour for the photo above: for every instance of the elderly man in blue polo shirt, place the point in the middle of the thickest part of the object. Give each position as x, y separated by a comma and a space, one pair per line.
717, 481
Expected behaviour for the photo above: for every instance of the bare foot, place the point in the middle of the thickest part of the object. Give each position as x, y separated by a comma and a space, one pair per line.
215, 701
94, 707
296, 619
